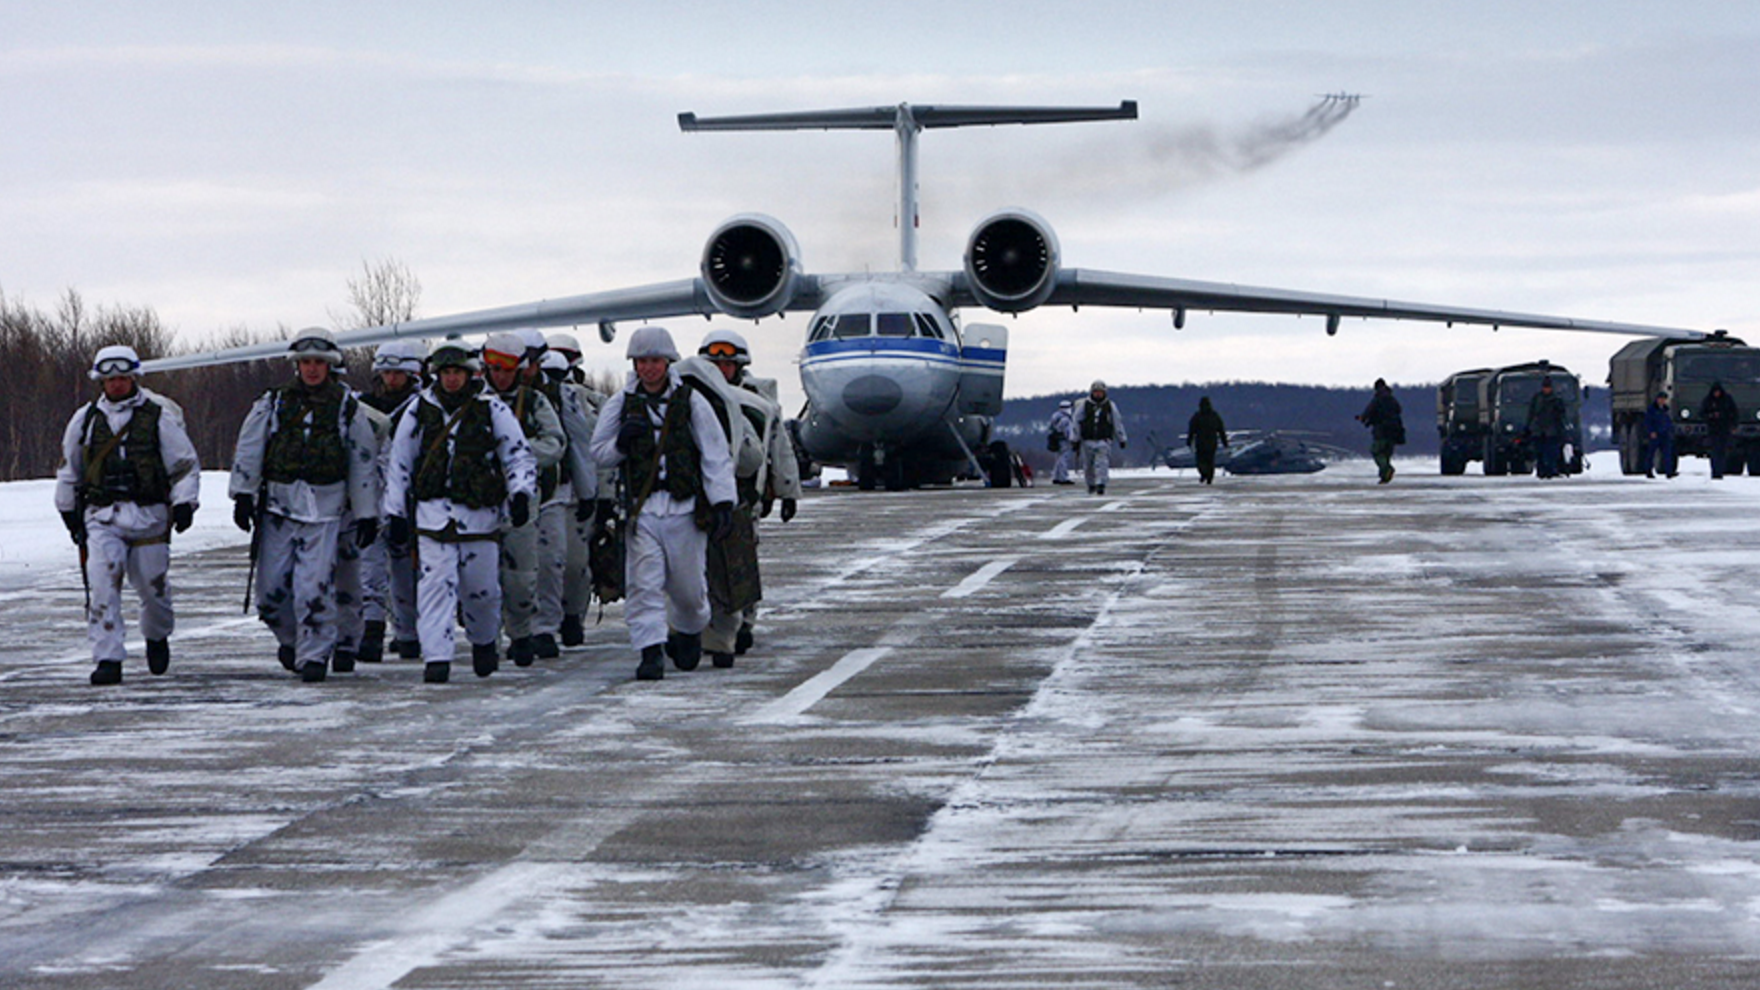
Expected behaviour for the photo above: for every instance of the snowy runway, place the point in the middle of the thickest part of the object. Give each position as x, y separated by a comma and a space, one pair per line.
1283, 732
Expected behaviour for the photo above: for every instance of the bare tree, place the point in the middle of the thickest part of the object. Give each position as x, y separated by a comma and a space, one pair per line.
386, 292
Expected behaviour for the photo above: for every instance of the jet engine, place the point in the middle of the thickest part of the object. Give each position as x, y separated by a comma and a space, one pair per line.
1011, 261
751, 266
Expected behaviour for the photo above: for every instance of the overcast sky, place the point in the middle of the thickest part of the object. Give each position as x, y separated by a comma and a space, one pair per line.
234, 164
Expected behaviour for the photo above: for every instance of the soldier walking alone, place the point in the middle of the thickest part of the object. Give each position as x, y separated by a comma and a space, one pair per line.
1203, 433
1546, 425
129, 477
1094, 425
1387, 428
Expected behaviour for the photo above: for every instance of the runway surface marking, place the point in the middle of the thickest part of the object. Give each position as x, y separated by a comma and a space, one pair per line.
983, 576
795, 703
1062, 529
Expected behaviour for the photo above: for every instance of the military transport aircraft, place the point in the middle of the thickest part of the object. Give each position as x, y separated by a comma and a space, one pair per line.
896, 387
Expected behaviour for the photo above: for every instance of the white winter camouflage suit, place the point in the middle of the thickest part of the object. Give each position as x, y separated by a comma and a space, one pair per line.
665, 572
462, 569
125, 538
301, 526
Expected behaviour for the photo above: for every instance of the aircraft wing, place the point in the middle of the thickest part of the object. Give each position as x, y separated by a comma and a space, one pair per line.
1087, 287
650, 302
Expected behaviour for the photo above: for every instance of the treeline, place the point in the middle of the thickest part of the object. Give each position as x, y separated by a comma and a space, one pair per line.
45, 356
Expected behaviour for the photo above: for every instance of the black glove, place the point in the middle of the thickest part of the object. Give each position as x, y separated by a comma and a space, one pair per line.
366, 531
630, 431
397, 531
75, 521
721, 521
583, 511
183, 516
244, 511
1122, 445
519, 511
788, 507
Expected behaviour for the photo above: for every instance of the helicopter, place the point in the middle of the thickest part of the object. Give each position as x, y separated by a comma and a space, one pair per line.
1264, 452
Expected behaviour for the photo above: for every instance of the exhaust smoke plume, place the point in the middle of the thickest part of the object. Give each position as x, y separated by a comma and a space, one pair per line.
1132, 162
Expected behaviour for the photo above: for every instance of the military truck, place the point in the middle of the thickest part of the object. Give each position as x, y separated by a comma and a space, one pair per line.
1482, 415
1457, 420
1685, 370
1504, 396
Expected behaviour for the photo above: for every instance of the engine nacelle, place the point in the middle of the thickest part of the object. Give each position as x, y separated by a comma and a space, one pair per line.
1011, 261
751, 266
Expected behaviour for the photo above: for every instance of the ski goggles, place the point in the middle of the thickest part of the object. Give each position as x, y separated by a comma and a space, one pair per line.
111, 367
313, 345
500, 361
724, 351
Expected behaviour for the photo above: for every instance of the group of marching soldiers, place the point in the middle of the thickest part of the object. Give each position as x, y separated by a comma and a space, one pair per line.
487, 487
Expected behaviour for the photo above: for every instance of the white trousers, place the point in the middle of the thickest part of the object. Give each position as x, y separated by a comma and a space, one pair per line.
350, 584
1065, 458
519, 579
553, 524
577, 573
1096, 461
109, 558
457, 577
666, 580
296, 593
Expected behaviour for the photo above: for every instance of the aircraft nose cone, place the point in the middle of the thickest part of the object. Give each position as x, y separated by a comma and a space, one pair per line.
872, 395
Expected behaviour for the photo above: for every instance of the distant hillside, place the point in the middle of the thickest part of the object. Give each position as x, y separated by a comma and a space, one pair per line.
1326, 413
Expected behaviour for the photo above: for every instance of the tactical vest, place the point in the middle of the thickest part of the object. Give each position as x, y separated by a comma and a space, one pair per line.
684, 463
125, 469
306, 441
467, 469
1097, 420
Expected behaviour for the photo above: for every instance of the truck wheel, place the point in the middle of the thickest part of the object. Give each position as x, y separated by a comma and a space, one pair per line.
1631, 449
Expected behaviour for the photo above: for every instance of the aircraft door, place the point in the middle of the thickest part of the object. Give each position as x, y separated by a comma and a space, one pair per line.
983, 354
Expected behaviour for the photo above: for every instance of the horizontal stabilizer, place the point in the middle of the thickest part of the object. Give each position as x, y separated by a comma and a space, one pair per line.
888, 118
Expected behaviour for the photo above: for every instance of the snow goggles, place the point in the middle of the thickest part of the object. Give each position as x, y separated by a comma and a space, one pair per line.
721, 350
313, 345
111, 367
504, 362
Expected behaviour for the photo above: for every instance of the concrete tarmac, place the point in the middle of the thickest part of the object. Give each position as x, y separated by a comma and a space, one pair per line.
1300, 732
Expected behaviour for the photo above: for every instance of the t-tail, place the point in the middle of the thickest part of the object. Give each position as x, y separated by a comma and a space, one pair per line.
907, 122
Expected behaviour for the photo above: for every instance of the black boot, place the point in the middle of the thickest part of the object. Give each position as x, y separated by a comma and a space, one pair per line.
522, 651
312, 671
573, 634
687, 651
107, 672
485, 659
408, 649
372, 642
436, 672
722, 660
544, 647
158, 656
285, 655
653, 666
743, 641
343, 661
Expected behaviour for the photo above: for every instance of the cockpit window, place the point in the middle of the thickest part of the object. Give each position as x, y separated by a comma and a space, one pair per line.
852, 325
821, 329
926, 327
893, 324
